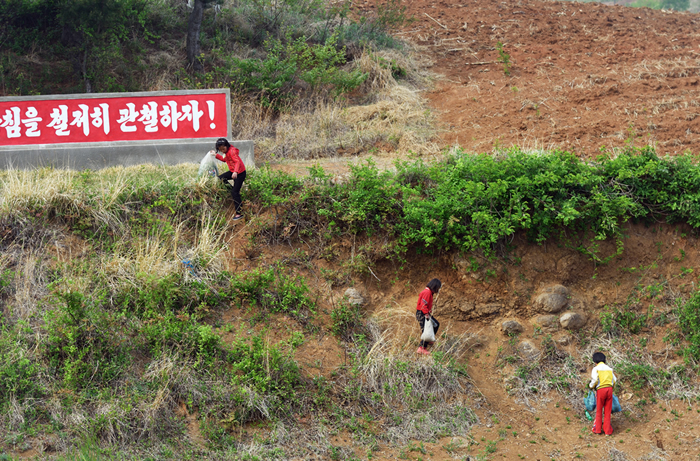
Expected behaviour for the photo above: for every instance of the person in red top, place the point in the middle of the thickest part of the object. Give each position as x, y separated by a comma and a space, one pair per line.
236, 171
424, 310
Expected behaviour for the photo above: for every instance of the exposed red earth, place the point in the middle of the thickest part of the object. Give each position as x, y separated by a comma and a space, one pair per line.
582, 75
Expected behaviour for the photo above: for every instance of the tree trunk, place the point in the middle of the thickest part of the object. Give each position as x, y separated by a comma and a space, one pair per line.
193, 26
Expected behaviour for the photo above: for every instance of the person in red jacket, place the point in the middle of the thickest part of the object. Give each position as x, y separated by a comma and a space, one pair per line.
424, 309
236, 171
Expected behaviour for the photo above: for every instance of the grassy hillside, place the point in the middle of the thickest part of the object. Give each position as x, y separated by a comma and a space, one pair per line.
129, 326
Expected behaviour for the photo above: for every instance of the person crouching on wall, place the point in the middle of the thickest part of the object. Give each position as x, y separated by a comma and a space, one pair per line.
236, 171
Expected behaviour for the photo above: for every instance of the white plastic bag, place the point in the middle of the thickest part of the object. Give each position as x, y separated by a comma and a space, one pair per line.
428, 331
208, 166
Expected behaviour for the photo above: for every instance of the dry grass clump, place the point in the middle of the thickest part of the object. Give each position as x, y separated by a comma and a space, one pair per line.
21, 189
402, 383
62, 191
655, 455
28, 284
616, 455
532, 377
381, 66
393, 113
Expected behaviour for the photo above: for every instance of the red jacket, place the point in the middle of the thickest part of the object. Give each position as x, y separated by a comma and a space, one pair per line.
425, 301
234, 162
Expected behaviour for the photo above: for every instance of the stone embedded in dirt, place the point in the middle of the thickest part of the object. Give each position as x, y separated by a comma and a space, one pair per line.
572, 320
465, 307
474, 340
552, 299
528, 350
488, 308
563, 340
511, 327
547, 323
354, 297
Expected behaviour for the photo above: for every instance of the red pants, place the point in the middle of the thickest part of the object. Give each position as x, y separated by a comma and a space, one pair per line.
604, 398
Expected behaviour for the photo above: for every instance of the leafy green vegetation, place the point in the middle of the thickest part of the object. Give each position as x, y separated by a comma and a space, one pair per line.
473, 202
139, 315
273, 51
289, 64
689, 323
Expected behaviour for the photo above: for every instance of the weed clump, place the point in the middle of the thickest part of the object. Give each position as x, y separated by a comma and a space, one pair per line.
689, 323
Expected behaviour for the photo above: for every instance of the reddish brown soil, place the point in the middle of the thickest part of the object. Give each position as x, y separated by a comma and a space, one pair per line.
582, 75
656, 256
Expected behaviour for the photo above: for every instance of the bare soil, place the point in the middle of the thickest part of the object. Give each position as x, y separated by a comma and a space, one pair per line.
582, 75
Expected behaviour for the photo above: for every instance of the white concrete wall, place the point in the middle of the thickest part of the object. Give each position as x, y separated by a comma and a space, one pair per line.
94, 156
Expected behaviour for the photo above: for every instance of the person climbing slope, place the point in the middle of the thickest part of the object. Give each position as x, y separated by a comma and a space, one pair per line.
424, 310
236, 171
603, 380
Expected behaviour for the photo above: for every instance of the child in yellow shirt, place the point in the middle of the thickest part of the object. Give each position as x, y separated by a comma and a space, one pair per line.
603, 380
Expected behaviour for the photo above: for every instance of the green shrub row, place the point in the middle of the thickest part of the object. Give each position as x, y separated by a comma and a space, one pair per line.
474, 202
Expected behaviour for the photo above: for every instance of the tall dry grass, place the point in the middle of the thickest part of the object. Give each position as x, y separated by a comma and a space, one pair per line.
398, 379
384, 113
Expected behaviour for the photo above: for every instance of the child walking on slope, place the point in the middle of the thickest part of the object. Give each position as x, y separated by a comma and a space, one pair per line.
603, 380
424, 310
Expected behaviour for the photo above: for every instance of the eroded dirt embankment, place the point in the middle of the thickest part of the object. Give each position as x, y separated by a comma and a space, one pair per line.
534, 419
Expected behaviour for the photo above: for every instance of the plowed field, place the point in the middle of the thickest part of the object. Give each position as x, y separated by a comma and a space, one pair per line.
582, 75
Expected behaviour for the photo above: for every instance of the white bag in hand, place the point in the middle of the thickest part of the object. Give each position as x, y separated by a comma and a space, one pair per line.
208, 165
428, 331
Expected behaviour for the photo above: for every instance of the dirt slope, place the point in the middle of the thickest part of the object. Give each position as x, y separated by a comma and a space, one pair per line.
583, 75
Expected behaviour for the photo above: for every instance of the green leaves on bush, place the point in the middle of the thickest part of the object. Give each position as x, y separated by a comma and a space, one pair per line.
275, 290
264, 367
345, 319
19, 370
86, 345
640, 375
269, 188
689, 322
294, 65
473, 202
621, 321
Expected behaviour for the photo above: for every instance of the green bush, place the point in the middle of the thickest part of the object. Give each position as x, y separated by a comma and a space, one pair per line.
264, 366
184, 336
266, 380
689, 323
276, 291
269, 187
156, 296
86, 345
19, 370
621, 321
277, 78
639, 376
100, 38
473, 202
345, 318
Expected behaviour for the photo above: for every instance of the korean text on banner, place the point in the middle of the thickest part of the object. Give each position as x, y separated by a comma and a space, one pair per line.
127, 118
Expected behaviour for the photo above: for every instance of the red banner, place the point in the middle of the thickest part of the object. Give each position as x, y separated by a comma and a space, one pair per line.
127, 118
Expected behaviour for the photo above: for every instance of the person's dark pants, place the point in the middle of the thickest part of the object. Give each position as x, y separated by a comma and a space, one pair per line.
235, 188
420, 316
